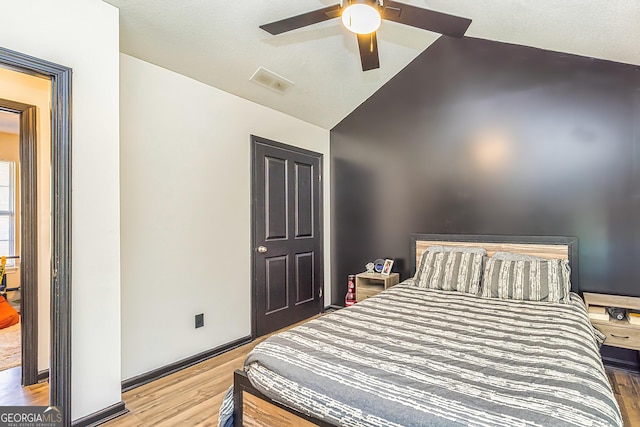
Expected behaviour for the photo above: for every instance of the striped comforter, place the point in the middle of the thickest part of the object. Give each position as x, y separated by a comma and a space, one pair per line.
419, 357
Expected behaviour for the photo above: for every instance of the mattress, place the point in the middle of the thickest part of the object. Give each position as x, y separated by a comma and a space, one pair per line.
417, 357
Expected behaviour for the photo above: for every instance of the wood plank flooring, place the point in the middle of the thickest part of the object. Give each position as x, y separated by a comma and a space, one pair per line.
626, 388
187, 398
13, 394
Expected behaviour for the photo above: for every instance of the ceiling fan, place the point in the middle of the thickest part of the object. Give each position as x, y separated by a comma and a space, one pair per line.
363, 17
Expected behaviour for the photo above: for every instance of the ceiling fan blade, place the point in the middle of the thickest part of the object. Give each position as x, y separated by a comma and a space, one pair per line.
431, 20
303, 20
368, 44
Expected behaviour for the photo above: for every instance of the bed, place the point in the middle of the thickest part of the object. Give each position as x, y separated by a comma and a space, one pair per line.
412, 356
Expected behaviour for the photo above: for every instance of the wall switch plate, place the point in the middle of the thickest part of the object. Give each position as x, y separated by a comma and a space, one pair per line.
199, 320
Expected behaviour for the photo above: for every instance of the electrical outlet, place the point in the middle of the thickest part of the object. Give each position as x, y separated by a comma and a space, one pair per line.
199, 320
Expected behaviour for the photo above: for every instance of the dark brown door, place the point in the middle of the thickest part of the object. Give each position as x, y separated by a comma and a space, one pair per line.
287, 235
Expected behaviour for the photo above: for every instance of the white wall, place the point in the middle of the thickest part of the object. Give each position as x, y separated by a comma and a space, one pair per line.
37, 91
185, 209
83, 34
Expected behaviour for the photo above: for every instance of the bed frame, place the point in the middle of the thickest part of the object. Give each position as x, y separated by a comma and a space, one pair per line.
254, 409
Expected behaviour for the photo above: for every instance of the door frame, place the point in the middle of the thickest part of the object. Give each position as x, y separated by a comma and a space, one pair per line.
28, 236
60, 76
255, 140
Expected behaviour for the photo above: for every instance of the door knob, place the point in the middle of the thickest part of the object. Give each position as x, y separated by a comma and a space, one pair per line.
262, 249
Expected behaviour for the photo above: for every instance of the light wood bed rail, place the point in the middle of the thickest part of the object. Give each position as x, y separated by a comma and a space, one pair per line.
254, 409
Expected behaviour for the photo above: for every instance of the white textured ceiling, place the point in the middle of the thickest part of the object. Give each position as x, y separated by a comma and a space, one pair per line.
219, 43
9, 122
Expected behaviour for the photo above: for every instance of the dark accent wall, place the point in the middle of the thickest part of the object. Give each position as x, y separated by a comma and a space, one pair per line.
482, 137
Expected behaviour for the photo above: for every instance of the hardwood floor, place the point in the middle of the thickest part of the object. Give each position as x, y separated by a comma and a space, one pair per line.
13, 394
626, 388
187, 398
192, 396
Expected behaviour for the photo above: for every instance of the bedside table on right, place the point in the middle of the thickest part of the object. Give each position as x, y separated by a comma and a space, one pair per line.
620, 333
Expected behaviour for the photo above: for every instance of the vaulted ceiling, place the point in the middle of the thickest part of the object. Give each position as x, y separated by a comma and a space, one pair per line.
219, 43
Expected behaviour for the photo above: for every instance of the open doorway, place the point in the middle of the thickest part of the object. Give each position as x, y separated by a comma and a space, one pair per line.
10, 292
59, 118
25, 236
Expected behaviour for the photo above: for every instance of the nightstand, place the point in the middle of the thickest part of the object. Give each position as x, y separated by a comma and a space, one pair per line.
370, 284
620, 333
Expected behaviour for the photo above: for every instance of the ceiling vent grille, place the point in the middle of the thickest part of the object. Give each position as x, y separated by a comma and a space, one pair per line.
272, 81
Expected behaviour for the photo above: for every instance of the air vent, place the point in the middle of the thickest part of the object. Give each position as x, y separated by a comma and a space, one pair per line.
272, 81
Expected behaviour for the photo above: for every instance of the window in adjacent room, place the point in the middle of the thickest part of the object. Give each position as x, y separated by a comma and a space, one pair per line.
7, 209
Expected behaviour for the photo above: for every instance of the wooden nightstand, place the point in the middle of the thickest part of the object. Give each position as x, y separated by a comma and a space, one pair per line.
620, 333
370, 284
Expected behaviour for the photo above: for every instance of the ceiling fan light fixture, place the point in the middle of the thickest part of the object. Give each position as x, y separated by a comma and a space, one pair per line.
361, 18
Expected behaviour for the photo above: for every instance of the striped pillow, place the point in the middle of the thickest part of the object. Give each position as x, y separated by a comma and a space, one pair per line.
451, 269
529, 280
512, 256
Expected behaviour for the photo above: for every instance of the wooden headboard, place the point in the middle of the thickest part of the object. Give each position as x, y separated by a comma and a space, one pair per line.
561, 247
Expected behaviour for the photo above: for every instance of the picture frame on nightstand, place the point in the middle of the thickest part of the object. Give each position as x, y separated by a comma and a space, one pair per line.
386, 269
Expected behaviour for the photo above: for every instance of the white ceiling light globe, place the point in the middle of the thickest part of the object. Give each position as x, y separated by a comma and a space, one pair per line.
361, 18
